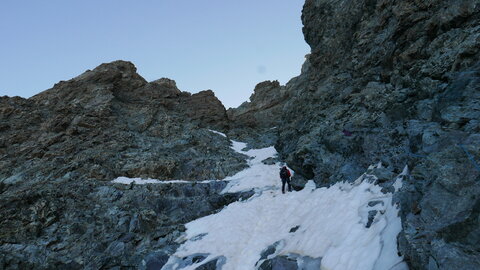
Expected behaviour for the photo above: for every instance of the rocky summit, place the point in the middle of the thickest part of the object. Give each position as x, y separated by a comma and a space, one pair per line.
387, 82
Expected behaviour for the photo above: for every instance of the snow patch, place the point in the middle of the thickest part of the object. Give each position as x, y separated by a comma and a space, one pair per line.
258, 176
238, 146
139, 181
217, 132
379, 165
405, 171
397, 185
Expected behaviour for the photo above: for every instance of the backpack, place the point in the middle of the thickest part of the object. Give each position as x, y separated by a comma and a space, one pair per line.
283, 173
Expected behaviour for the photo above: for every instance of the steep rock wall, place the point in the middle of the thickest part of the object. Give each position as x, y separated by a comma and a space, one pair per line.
396, 82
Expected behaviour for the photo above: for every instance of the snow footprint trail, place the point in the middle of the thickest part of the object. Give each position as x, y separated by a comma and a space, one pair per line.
327, 223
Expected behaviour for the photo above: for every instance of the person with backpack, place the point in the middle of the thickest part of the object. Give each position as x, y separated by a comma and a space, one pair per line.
285, 176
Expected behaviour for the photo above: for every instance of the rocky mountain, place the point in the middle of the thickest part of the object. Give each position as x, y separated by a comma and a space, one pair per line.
59, 148
390, 82
110, 122
395, 82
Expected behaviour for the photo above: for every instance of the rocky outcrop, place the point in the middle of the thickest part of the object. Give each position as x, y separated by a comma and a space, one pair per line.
206, 109
396, 82
110, 122
60, 149
92, 225
255, 121
264, 108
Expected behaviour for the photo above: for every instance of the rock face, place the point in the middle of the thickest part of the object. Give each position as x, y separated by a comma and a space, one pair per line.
255, 121
110, 122
396, 82
263, 110
60, 147
89, 225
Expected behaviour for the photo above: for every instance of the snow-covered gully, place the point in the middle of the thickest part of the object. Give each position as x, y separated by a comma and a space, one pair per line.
318, 228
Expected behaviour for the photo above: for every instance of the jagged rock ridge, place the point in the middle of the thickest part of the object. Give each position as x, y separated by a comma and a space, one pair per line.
59, 148
110, 122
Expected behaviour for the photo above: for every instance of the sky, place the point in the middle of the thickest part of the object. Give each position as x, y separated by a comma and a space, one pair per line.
227, 46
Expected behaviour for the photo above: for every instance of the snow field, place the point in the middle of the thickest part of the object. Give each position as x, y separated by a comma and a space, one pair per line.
329, 227
331, 223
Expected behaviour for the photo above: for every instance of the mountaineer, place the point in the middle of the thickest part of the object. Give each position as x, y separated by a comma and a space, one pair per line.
285, 176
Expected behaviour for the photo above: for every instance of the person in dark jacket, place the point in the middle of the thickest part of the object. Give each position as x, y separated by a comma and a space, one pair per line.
285, 176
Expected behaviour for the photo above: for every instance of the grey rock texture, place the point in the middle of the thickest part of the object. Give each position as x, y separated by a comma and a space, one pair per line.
89, 224
279, 263
255, 121
271, 260
264, 108
396, 82
291, 262
110, 122
61, 148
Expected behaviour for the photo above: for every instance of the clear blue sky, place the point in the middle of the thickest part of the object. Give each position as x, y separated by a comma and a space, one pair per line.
225, 45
